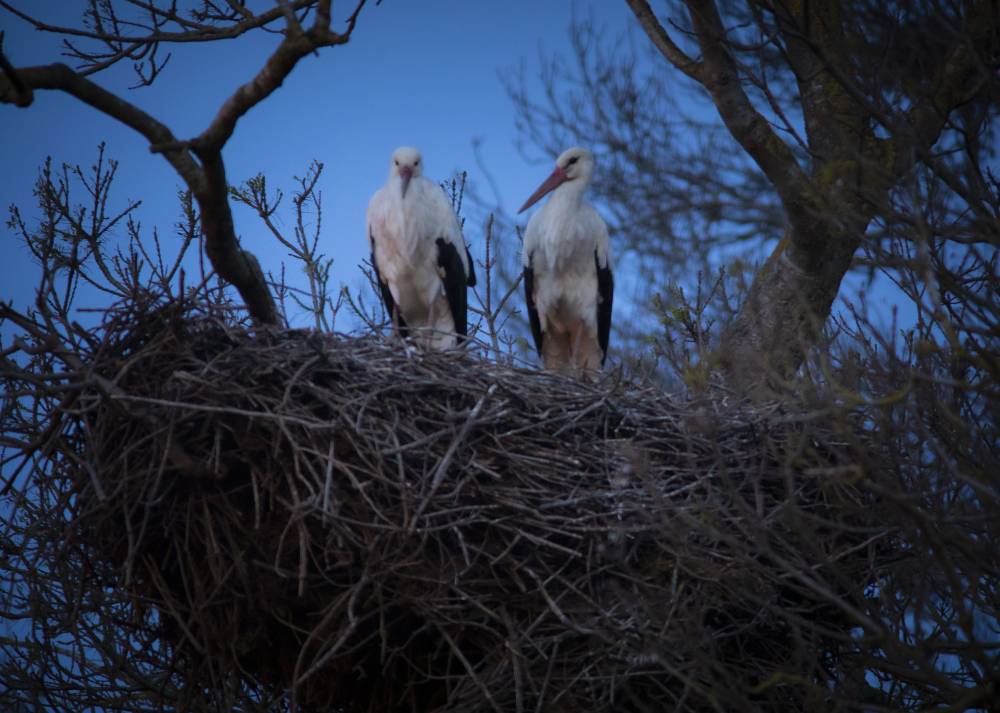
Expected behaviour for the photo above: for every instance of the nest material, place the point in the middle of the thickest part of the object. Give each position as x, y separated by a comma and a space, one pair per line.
368, 528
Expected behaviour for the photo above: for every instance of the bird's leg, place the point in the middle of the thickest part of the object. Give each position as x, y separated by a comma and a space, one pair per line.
586, 352
395, 323
576, 336
408, 349
556, 351
409, 345
432, 324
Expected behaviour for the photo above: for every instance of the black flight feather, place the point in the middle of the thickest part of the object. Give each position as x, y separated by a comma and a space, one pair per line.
605, 295
472, 269
455, 281
529, 298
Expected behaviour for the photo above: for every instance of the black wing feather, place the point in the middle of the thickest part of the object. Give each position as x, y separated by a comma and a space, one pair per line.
390, 304
472, 268
455, 281
605, 296
529, 298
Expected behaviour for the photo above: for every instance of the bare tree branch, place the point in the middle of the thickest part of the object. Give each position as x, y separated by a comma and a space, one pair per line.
61, 77
198, 161
278, 66
664, 43
851, 170
718, 73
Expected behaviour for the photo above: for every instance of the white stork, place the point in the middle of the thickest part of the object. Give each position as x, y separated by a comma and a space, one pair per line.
568, 283
421, 261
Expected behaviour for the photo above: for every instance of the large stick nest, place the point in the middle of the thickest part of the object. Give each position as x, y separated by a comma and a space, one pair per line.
362, 527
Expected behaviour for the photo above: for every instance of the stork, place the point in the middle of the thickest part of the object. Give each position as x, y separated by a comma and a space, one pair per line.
421, 261
568, 283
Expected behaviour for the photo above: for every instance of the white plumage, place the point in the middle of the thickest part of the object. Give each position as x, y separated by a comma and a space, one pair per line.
568, 282
420, 259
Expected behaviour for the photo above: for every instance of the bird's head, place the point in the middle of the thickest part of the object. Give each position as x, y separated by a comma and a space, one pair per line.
406, 163
575, 164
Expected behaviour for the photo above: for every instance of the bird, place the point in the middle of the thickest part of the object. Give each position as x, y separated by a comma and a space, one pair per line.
421, 262
568, 281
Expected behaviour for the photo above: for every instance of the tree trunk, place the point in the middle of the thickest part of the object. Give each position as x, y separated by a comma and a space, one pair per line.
850, 169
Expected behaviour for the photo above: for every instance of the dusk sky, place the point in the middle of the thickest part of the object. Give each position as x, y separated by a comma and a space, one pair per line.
423, 73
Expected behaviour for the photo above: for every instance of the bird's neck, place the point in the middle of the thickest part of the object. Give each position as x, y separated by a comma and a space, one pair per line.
565, 201
570, 193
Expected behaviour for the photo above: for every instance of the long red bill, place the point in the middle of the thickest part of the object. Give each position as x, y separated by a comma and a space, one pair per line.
557, 177
406, 173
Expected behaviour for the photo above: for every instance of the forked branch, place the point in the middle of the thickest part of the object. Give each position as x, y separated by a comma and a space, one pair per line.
198, 161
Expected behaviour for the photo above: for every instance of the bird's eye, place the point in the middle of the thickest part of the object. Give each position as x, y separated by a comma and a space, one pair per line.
572, 161
395, 162
417, 162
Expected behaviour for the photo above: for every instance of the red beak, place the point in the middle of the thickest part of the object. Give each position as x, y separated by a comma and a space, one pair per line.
557, 177
406, 173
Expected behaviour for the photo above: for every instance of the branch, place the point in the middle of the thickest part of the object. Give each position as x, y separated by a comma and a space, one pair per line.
950, 89
61, 77
922, 124
815, 47
663, 42
271, 76
208, 181
752, 131
234, 264
198, 33
295, 46
718, 73
22, 95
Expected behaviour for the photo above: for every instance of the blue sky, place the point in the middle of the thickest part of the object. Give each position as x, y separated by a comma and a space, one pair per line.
419, 73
